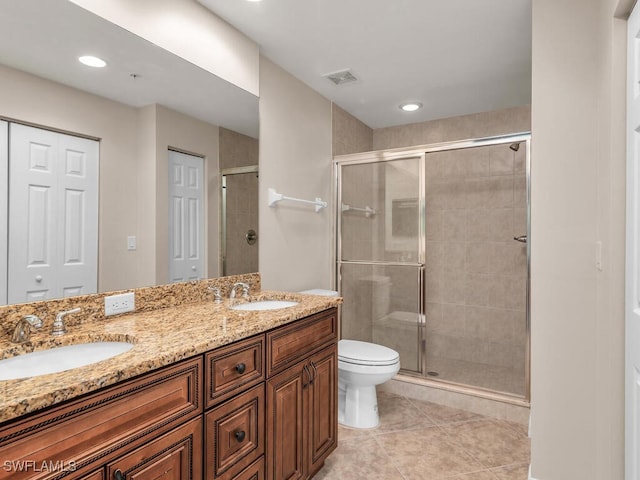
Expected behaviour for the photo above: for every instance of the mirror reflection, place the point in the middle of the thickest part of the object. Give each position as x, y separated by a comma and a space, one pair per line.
143, 105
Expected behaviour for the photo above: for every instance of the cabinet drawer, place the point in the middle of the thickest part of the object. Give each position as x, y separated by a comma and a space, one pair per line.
231, 369
174, 455
255, 471
286, 345
234, 434
102, 425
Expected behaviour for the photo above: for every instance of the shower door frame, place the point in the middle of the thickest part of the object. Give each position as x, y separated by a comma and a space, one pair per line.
422, 151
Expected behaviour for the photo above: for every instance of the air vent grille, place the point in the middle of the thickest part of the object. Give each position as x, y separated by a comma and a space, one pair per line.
341, 77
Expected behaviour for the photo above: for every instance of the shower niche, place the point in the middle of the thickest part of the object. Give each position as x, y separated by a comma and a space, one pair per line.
428, 264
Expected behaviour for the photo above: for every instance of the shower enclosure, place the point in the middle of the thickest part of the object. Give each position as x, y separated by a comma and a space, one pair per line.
433, 259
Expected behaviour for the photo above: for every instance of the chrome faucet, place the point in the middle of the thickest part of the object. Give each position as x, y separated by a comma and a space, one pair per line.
22, 332
58, 325
217, 298
245, 290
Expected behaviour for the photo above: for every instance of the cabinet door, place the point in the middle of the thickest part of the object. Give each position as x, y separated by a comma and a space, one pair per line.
234, 434
322, 407
285, 423
177, 455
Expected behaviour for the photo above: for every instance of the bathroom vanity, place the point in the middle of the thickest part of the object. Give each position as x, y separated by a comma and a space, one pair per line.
240, 395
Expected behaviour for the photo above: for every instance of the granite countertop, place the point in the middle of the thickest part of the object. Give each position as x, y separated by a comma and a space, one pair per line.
160, 337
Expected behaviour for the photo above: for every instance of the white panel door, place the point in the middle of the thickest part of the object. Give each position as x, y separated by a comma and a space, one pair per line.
53, 210
77, 216
186, 217
632, 294
4, 206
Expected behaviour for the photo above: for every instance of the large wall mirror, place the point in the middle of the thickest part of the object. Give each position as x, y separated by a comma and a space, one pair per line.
143, 104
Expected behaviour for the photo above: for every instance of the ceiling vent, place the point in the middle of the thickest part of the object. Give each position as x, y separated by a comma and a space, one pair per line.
341, 77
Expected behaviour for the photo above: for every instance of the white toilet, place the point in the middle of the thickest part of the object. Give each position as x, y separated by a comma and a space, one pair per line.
362, 366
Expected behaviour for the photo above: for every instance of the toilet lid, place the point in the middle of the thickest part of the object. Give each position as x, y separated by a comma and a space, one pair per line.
364, 353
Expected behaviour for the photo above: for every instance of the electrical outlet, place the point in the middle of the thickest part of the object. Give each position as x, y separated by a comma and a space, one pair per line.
115, 304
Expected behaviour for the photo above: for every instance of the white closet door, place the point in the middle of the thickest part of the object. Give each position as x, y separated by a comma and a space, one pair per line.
186, 217
53, 209
632, 294
4, 205
77, 216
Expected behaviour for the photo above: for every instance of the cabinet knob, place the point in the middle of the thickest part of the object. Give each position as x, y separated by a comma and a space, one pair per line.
239, 436
241, 367
118, 475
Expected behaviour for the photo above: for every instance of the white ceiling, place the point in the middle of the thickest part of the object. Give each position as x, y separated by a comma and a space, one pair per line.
45, 38
454, 56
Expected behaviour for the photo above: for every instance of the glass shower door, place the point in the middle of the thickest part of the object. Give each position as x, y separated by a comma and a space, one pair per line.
381, 254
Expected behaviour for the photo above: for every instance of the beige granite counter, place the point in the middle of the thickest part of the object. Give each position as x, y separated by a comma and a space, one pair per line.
160, 337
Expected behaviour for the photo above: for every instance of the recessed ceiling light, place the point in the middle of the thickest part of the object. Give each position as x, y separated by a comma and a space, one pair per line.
411, 107
92, 61
254, 0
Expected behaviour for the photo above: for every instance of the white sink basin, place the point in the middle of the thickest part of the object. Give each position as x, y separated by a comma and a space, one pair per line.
53, 360
264, 305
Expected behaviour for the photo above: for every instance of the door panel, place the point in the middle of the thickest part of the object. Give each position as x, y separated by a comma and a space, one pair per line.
186, 217
4, 208
286, 440
53, 215
632, 294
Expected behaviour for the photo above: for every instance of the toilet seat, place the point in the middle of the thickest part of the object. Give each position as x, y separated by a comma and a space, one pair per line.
364, 353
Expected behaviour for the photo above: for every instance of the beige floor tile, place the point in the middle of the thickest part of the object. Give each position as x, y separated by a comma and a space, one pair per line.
491, 442
441, 414
399, 413
358, 459
419, 440
512, 472
426, 453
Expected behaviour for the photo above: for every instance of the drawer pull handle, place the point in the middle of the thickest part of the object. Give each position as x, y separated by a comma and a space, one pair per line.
240, 435
240, 368
118, 475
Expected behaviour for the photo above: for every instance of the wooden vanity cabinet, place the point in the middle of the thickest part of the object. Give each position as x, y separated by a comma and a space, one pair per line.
81, 438
302, 396
262, 407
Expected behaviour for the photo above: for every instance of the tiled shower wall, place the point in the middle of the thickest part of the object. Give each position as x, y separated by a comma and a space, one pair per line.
237, 150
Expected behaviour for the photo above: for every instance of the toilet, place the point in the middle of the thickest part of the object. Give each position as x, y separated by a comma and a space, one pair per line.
361, 366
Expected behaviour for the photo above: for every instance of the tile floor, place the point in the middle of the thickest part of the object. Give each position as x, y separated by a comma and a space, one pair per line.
419, 440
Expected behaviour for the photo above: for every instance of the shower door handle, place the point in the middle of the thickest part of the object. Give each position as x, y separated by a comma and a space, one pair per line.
521, 239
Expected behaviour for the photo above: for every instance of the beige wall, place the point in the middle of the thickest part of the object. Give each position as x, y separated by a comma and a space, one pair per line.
133, 159
30, 99
577, 182
188, 30
296, 243
186, 134
484, 124
350, 135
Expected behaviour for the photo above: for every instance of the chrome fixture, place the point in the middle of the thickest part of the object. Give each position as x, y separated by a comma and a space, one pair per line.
514, 146
521, 239
58, 325
217, 298
251, 236
22, 332
245, 290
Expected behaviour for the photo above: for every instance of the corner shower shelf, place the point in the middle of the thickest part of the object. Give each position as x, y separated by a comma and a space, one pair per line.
275, 197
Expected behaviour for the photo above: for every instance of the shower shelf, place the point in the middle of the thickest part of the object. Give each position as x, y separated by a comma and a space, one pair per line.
275, 197
368, 211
